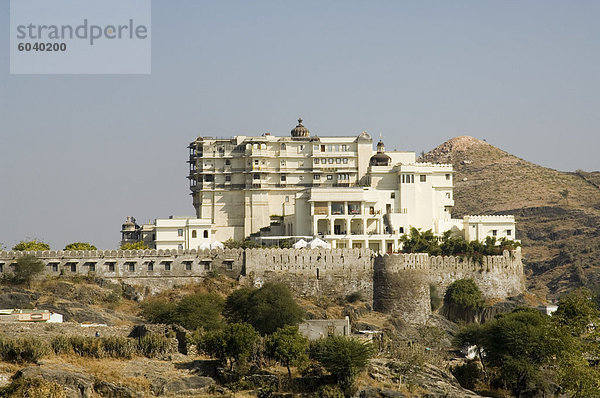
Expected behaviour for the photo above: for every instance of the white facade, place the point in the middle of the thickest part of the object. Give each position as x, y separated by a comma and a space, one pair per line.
337, 188
480, 227
178, 233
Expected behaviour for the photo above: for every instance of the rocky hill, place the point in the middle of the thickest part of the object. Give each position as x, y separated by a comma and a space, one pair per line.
557, 213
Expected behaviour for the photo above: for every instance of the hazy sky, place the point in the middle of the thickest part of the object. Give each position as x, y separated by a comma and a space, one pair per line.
79, 153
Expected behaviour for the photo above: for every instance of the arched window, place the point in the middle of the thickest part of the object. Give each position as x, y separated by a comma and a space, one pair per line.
193, 233
206, 233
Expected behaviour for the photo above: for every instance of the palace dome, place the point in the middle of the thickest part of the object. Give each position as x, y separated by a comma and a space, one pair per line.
300, 130
380, 158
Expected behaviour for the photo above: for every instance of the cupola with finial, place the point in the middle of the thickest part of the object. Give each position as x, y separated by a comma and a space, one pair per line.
380, 158
300, 130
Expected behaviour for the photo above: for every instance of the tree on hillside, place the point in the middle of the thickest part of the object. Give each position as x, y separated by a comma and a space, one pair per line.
565, 195
31, 245
287, 346
159, 311
343, 357
578, 315
267, 309
26, 268
232, 345
202, 310
80, 246
194, 311
134, 246
521, 348
473, 334
577, 376
578, 312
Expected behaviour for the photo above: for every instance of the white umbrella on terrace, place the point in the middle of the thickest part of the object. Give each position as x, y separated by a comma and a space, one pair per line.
217, 245
316, 242
300, 244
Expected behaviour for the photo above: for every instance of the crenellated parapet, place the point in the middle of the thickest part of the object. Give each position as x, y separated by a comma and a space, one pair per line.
308, 260
133, 264
497, 276
99, 254
313, 272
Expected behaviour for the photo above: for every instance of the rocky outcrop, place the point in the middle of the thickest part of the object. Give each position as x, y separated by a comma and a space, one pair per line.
432, 381
14, 297
163, 379
74, 380
189, 385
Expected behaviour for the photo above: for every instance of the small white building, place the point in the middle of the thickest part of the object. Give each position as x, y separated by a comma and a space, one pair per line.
173, 233
182, 232
480, 227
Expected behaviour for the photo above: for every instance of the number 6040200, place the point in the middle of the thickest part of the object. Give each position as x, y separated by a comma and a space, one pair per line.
42, 47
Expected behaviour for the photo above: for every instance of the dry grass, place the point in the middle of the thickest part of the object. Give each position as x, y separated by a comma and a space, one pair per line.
365, 380
219, 284
110, 370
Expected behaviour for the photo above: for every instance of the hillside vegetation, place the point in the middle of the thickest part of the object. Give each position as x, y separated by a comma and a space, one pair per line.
557, 213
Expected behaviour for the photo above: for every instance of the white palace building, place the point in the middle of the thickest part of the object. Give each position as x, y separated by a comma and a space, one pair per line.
301, 186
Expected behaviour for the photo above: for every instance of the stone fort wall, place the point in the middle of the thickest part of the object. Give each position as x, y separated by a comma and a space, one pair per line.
394, 283
153, 270
402, 281
314, 272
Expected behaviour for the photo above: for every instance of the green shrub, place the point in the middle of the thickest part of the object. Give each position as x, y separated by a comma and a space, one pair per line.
95, 347
24, 349
266, 309
329, 391
192, 311
153, 345
87, 346
288, 347
159, 311
233, 345
354, 297
61, 345
33, 349
26, 268
467, 374
343, 357
464, 294
200, 310
119, 347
